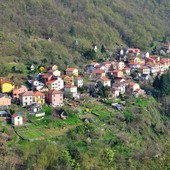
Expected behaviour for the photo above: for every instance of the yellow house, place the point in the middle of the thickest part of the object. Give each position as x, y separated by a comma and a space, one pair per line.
39, 97
68, 79
72, 72
6, 86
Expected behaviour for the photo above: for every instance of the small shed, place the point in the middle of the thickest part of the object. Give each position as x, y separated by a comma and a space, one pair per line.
16, 119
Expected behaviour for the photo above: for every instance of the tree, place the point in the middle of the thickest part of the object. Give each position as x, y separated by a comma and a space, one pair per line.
72, 30
90, 54
103, 49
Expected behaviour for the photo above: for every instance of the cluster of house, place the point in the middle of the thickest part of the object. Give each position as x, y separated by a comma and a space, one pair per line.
117, 74
49, 87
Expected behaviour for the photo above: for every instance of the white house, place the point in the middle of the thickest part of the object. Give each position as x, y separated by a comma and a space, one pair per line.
26, 98
78, 81
56, 84
70, 91
55, 72
17, 120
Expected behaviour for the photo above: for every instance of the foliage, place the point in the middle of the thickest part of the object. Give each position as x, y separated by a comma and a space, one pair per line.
161, 83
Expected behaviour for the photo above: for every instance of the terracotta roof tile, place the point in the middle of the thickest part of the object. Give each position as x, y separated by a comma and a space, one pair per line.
38, 93
70, 69
99, 71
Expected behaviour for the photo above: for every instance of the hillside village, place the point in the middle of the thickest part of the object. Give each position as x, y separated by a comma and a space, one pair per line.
120, 76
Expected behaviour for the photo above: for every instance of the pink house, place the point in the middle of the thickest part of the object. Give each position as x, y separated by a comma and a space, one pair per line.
17, 91
54, 98
5, 100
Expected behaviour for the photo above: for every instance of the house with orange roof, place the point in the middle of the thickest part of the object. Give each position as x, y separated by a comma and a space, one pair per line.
6, 86
105, 81
156, 58
154, 68
100, 67
99, 73
17, 120
72, 72
117, 73
17, 91
91, 66
68, 79
26, 98
56, 84
54, 98
135, 51
165, 62
133, 65
144, 70
70, 91
126, 71
39, 97
78, 81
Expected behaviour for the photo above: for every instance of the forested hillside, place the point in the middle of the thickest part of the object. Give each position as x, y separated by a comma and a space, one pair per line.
73, 26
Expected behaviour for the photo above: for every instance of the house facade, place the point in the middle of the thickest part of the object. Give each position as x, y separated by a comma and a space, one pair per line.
16, 120
26, 98
39, 98
117, 73
72, 72
78, 81
5, 100
54, 98
68, 79
105, 81
70, 91
17, 91
99, 73
56, 84
6, 86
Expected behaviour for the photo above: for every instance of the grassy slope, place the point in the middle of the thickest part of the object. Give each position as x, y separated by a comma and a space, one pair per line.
136, 135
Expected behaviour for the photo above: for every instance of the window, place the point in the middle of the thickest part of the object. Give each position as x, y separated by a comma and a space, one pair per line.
18, 117
25, 98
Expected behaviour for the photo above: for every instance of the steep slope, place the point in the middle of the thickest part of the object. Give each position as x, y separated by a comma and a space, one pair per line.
74, 26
